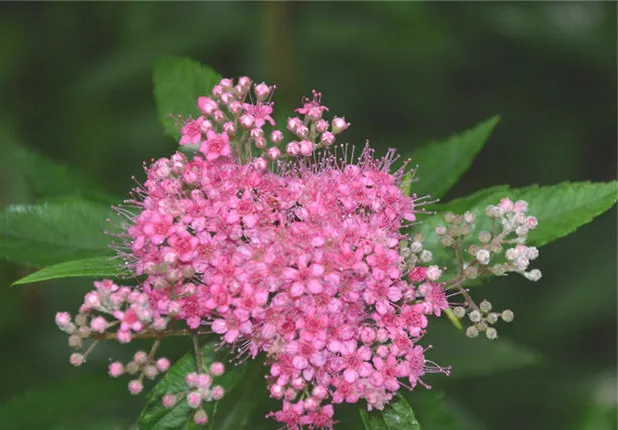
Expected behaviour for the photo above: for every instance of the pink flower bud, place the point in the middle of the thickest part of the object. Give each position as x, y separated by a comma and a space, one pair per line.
262, 91
123, 336
115, 369
98, 324
276, 136
306, 147
200, 417
226, 98
260, 164
321, 126
235, 108
339, 124
140, 357
163, 364
194, 399
217, 368
217, 91
327, 139
218, 392
226, 83
273, 153
191, 379
203, 381
260, 142
229, 128
135, 386
293, 124
246, 121
244, 81
218, 116
207, 105
293, 149
63, 319
76, 359
168, 401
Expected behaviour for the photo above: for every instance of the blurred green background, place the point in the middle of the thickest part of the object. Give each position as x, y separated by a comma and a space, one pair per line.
76, 85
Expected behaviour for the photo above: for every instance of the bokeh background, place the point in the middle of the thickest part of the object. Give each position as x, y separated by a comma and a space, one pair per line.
76, 85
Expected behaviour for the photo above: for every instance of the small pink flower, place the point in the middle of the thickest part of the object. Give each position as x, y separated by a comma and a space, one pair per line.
215, 146
191, 132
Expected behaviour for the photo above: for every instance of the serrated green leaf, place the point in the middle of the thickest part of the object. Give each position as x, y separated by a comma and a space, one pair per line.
476, 357
155, 417
87, 267
442, 163
46, 177
560, 210
54, 232
397, 415
178, 82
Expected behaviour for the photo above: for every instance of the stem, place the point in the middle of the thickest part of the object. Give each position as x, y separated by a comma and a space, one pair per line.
150, 334
198, 354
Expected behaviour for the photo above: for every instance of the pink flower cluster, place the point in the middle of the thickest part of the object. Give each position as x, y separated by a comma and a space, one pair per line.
301, 263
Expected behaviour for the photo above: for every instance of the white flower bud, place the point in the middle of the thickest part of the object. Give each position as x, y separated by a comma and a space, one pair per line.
433, 272
469, 217
416, 247
475, 316
483, 256
532, 253
485, 306
426, 256
533, 275
472, 332
459, 312
491, 333
507, 315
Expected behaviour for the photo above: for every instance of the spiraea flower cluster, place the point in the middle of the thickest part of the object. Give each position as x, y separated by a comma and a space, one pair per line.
295, 249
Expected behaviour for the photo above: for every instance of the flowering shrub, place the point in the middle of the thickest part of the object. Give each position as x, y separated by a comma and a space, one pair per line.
290, 246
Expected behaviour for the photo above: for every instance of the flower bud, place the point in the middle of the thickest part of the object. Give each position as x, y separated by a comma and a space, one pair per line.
507, 315
472, 332
482, 256
339, 124
475, 316
491, 333
135, 386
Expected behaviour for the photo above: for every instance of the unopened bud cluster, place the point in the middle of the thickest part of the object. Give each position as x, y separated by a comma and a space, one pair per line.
493, 253
482, 318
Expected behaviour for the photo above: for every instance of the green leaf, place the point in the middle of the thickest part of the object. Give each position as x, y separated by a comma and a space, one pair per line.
476, 357
560, 210
441, 164
53, 232
178, 82
96, 267
155, 417
46, 177
397, 415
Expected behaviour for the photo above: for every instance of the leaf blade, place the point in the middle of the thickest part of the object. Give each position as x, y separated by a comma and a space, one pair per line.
397, 415
54, 232
87, 267
178, 82
155, 417
442, 163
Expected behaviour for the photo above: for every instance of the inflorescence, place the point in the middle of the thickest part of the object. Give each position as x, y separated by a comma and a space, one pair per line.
296, 249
